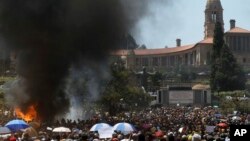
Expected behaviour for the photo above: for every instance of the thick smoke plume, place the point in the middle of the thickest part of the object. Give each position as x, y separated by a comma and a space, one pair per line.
49, 36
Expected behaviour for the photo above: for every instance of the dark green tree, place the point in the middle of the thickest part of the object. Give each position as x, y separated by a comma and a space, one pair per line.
122, 92
226, 74
156, 79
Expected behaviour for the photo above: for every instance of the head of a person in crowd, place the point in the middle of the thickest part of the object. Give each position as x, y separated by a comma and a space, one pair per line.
114, 137
196, 137
190, 137
184, 138
171, 137
83, 137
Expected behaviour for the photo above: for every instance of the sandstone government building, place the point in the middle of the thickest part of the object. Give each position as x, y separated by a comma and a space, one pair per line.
196, 56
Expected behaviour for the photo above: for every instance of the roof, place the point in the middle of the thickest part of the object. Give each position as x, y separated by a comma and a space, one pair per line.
211, 4
162, 50
207, 41
120, 52
158, 51
238, 30
200, 87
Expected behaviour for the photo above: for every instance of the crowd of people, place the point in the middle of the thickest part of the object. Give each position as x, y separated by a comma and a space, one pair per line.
151, 124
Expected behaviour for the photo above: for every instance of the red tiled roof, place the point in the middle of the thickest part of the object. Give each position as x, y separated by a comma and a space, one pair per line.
207, 41
238, 30
158, 51
162, 50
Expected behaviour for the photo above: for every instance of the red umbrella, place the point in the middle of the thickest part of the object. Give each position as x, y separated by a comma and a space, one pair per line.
222, 125
159, 134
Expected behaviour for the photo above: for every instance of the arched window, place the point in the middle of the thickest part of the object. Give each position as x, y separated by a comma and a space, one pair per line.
214, 16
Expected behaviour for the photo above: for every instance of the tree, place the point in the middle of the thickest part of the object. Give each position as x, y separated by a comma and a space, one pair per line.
128, 42
218, 42
156, 79
122, 92
226, 74
234, 100
142, 47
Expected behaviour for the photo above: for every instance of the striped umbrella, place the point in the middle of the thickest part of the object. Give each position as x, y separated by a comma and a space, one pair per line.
99, 126
124, 127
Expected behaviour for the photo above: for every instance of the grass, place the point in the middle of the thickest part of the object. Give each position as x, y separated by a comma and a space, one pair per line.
4, 79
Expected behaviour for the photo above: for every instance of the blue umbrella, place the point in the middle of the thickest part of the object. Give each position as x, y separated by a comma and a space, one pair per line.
124, 127
15, 125
99, 126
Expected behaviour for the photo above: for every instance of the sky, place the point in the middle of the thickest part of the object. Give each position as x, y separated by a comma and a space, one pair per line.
184, 19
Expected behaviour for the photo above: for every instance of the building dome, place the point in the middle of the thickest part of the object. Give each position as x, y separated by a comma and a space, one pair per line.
213, 4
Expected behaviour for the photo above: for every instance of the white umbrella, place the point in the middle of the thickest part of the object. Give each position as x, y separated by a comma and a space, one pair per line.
105, 133
236, 118
124, 127
98, 126
61, 129
4, 130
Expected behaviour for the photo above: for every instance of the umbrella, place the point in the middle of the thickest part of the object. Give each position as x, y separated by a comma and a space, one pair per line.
124, 127
222, 125
61, 129
159, 134
4, 130
105, 133
98, 126
236, 118
218, 115
17, 124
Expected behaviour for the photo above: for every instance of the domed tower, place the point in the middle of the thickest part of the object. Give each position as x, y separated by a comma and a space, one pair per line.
213, 14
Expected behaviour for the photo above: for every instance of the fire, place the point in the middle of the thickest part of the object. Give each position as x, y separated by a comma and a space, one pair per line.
29, 115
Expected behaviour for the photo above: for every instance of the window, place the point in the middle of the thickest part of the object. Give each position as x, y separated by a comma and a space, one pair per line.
248, 44
172, 60
144, 61
191, 58
214, 16
208, 58
186, 59
155, 61
205, 97
239, 44
164, 61
244, 60
234, 43
137, 61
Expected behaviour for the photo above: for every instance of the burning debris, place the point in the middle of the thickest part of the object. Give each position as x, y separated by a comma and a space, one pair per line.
29, 115
49, 37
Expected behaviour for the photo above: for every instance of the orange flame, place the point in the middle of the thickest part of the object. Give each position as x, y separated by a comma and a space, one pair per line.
29, 115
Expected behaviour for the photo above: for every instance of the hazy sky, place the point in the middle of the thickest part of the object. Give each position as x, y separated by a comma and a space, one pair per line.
184, 19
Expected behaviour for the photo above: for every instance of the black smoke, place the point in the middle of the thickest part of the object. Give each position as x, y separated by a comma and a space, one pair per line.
49, 36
